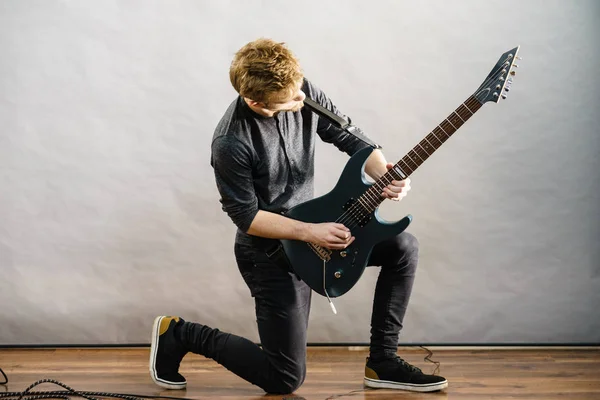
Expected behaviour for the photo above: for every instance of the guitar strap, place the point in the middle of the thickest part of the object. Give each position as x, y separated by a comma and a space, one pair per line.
339, 122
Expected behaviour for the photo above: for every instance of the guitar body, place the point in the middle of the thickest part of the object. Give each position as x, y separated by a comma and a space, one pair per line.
343, 268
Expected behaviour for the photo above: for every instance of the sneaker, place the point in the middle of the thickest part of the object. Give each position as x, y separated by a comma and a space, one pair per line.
395, 373
165, 354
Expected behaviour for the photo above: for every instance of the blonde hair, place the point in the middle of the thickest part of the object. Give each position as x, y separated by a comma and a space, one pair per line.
264, 67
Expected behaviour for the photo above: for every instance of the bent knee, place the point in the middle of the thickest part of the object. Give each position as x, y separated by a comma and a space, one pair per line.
285, 382
407, 243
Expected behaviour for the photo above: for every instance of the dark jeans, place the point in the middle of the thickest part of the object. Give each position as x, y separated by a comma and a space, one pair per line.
282, 308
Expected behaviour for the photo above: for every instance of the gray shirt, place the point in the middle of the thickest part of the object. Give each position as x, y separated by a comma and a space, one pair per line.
267, 163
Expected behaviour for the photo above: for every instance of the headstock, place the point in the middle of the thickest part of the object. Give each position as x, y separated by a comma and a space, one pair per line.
498, 82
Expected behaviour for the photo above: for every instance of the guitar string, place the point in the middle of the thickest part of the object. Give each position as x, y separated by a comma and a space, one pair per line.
352, 214
373, 199
372, 196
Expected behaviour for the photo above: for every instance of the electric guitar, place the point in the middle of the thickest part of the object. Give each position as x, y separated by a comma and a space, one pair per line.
354, 202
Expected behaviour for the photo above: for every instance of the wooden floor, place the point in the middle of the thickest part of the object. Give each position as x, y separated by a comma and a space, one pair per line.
333, 373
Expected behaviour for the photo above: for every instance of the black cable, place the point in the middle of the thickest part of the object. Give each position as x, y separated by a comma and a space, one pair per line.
27, 394
352, 393
428, 358
5, 377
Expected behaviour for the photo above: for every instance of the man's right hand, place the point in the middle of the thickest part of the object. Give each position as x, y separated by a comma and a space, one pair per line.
330, 235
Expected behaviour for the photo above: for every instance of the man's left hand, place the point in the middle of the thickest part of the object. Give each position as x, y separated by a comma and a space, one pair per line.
396, 190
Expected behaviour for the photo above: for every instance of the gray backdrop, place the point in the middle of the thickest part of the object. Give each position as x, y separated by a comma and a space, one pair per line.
109, 213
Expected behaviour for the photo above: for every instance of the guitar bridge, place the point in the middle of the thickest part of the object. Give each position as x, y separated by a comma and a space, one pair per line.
323, 253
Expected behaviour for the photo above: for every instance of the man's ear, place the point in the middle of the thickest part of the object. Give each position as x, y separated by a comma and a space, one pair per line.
255, 103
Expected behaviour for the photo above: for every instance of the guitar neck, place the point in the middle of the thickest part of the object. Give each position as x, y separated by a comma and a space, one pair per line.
421, 152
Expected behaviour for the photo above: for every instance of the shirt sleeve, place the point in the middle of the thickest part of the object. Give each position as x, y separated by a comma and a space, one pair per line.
232, 163
330, 133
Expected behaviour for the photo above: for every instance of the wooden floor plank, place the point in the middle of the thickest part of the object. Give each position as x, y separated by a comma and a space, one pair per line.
333, 373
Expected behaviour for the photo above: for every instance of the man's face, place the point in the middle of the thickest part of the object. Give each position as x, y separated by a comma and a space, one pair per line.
286, 101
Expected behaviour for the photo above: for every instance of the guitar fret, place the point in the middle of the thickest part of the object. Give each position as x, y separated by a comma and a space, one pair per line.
380, 184
416, 159
473, 104
413, 160
407, 166
467, 107
448, 136
421, 151
376, 191
409, 160
419, 159
448, 128
428, 144
464, 110
455, 128
374, 196
457, 121
458, 115
369, 197
436, 138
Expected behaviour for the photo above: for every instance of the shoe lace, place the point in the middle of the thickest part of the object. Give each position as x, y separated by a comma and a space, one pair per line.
408, 366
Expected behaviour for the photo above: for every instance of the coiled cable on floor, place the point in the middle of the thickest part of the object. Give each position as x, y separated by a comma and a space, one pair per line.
5, 377
428, 358
27, 394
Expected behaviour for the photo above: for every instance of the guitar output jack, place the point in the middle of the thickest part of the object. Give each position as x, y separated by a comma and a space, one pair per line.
337, 274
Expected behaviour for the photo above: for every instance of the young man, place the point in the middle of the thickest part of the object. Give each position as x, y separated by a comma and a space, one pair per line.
263, 159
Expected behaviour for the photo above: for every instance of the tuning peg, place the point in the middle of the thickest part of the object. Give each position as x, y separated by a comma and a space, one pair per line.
519, 58
507, 89
515, 65
513, 73
504, 96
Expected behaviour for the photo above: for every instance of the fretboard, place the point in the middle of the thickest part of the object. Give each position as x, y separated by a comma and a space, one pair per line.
371, 199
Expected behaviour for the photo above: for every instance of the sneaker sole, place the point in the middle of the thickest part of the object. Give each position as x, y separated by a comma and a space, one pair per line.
153, 350
430, 387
